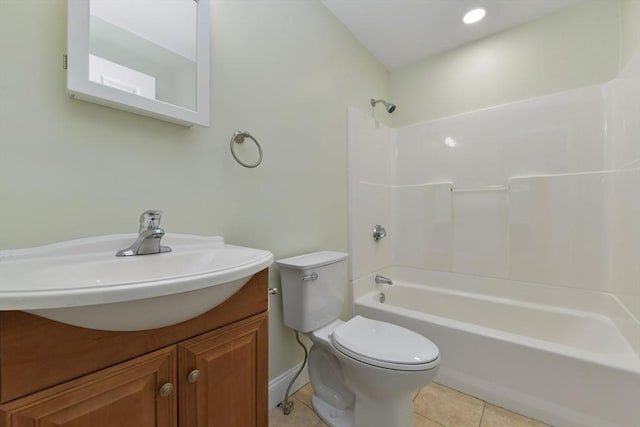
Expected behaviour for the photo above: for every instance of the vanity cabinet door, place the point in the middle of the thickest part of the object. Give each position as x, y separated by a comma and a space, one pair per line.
222, 376
127, 394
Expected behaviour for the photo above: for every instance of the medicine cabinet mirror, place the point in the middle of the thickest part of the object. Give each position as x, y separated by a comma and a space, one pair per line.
145, 56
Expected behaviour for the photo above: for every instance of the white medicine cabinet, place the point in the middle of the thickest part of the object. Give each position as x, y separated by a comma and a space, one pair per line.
149, 57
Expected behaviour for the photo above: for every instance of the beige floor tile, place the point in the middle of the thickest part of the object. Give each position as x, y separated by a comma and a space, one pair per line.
434, 406
420, 421
500, 417
448, 407
301, 416
304, 394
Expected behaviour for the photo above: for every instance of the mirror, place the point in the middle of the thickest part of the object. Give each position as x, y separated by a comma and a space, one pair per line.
145, 56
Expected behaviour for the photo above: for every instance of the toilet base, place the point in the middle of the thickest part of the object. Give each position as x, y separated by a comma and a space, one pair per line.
396, 414
373, 413
330, 415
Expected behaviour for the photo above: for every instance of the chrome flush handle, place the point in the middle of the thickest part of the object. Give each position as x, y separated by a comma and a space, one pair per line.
308, 277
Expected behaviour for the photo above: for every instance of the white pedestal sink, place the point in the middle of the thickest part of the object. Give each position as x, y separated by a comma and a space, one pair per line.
82, 283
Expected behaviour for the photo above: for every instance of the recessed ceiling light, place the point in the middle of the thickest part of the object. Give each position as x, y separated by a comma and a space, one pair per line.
474, 15
450, 142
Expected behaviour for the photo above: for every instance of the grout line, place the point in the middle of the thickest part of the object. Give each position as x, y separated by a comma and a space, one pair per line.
484, 406
462, 392
427, 418
304, 403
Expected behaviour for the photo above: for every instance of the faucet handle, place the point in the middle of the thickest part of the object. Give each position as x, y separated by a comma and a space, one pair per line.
150, 219
379, 232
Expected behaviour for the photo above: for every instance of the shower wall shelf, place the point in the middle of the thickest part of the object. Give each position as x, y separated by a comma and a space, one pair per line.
480, 189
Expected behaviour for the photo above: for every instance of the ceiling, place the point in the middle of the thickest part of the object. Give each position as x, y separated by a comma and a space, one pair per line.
400, 32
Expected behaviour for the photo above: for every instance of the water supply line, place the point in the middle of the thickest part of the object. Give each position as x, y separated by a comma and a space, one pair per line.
287, 404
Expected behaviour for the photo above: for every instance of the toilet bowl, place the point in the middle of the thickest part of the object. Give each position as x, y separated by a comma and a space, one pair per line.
378, 364
362, 371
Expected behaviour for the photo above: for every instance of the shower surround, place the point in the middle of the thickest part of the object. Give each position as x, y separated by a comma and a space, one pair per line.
535, 203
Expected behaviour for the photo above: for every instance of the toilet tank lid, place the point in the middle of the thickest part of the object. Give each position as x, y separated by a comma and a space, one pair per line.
312, 260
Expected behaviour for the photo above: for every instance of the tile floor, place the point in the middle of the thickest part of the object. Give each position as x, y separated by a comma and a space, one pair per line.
434, 406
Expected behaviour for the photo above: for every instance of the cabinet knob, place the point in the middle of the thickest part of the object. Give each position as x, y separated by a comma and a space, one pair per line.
193, 376
166, 389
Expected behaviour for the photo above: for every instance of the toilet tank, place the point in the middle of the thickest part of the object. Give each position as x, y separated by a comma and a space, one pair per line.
312, 289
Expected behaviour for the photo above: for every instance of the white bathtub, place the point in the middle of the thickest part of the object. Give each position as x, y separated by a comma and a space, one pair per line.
564, 356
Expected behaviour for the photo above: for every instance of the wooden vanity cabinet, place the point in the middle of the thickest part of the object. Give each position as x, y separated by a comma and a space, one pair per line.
226, 391
208, 371
125, 395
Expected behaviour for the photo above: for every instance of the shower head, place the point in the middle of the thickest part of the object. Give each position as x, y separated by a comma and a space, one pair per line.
388, 105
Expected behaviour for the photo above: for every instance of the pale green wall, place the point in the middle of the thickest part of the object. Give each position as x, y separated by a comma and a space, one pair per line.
283, 70
630, 31
572, 48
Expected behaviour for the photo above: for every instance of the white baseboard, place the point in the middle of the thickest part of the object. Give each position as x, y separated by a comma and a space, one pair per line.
278, 385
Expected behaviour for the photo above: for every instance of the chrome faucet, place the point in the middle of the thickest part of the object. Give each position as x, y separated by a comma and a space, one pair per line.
150, 233
381, 279
379, 232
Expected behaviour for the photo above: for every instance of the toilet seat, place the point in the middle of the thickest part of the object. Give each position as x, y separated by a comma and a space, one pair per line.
385, 345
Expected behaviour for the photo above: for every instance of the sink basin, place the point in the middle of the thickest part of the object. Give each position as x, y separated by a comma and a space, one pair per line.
82, 283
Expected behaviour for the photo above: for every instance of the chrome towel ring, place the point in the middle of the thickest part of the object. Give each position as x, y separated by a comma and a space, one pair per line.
238, 138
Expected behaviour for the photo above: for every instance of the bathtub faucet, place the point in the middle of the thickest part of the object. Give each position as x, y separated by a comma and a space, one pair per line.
381, 279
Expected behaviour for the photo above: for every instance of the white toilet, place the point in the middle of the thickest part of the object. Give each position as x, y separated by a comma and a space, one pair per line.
362, 371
